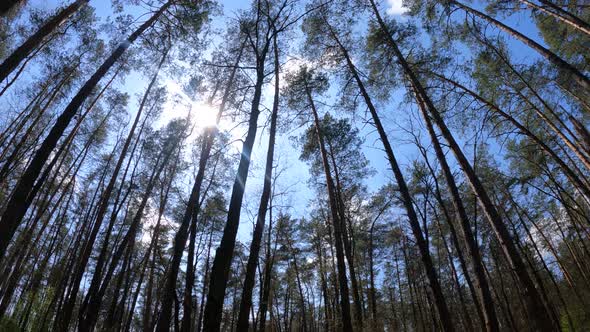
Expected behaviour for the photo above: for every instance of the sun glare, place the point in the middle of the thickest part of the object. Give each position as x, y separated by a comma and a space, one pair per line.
204, 115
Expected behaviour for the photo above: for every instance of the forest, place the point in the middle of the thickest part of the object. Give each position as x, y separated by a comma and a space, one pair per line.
294, 165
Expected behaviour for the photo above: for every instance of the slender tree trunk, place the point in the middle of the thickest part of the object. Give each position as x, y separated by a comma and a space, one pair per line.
336, 222
372, 292
441, 305
205, 281
24, 138
249, 281
224, 253
346, 241
534, 302
401, 294
147, 305
23, 243
20, 120
581, 79
560, 14
455, 276
541, 258
86, 322
484, 294
571, 175
111, 319
169, 290
324, 287
34, 41
268, 267
67, 287
100, 214
17, 207
303, 321
104, 203
558, 126
62, 151
151, 249
533, 298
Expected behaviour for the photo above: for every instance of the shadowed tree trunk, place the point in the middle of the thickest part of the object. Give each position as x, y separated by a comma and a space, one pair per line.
104, 203
94, 299
560, 14
533, 299
34, 41
224, 253
434, 284
346, 241
267, 280
151, 250
581, 79
481, 284
336, 222
169, 290
43, 105
17, 206
571, 175
261, 30
7, 5
249, 281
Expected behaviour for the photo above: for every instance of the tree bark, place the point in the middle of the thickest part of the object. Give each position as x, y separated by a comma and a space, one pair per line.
250, 278
17, 207
336, 222
560, 14
434, 284
169, 290
581, 79
34, 41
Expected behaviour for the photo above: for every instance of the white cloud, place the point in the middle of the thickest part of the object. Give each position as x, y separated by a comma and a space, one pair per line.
395, 7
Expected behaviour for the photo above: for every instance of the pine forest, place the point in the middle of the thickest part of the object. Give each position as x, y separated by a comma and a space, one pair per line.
294, 165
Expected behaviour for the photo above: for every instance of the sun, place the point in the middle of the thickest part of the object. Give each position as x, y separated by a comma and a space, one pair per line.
204, 115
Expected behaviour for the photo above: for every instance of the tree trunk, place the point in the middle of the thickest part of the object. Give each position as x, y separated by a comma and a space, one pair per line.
34, 41
94, 299
346, 241
571, 175
581, 79
481, 284
533, 298
560, 14
17, 207
372, 292
250, 278
224, 253
169, 290
23, 139
266, 284
104, 203
534, 303
7, 5
336, 222
434, 284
